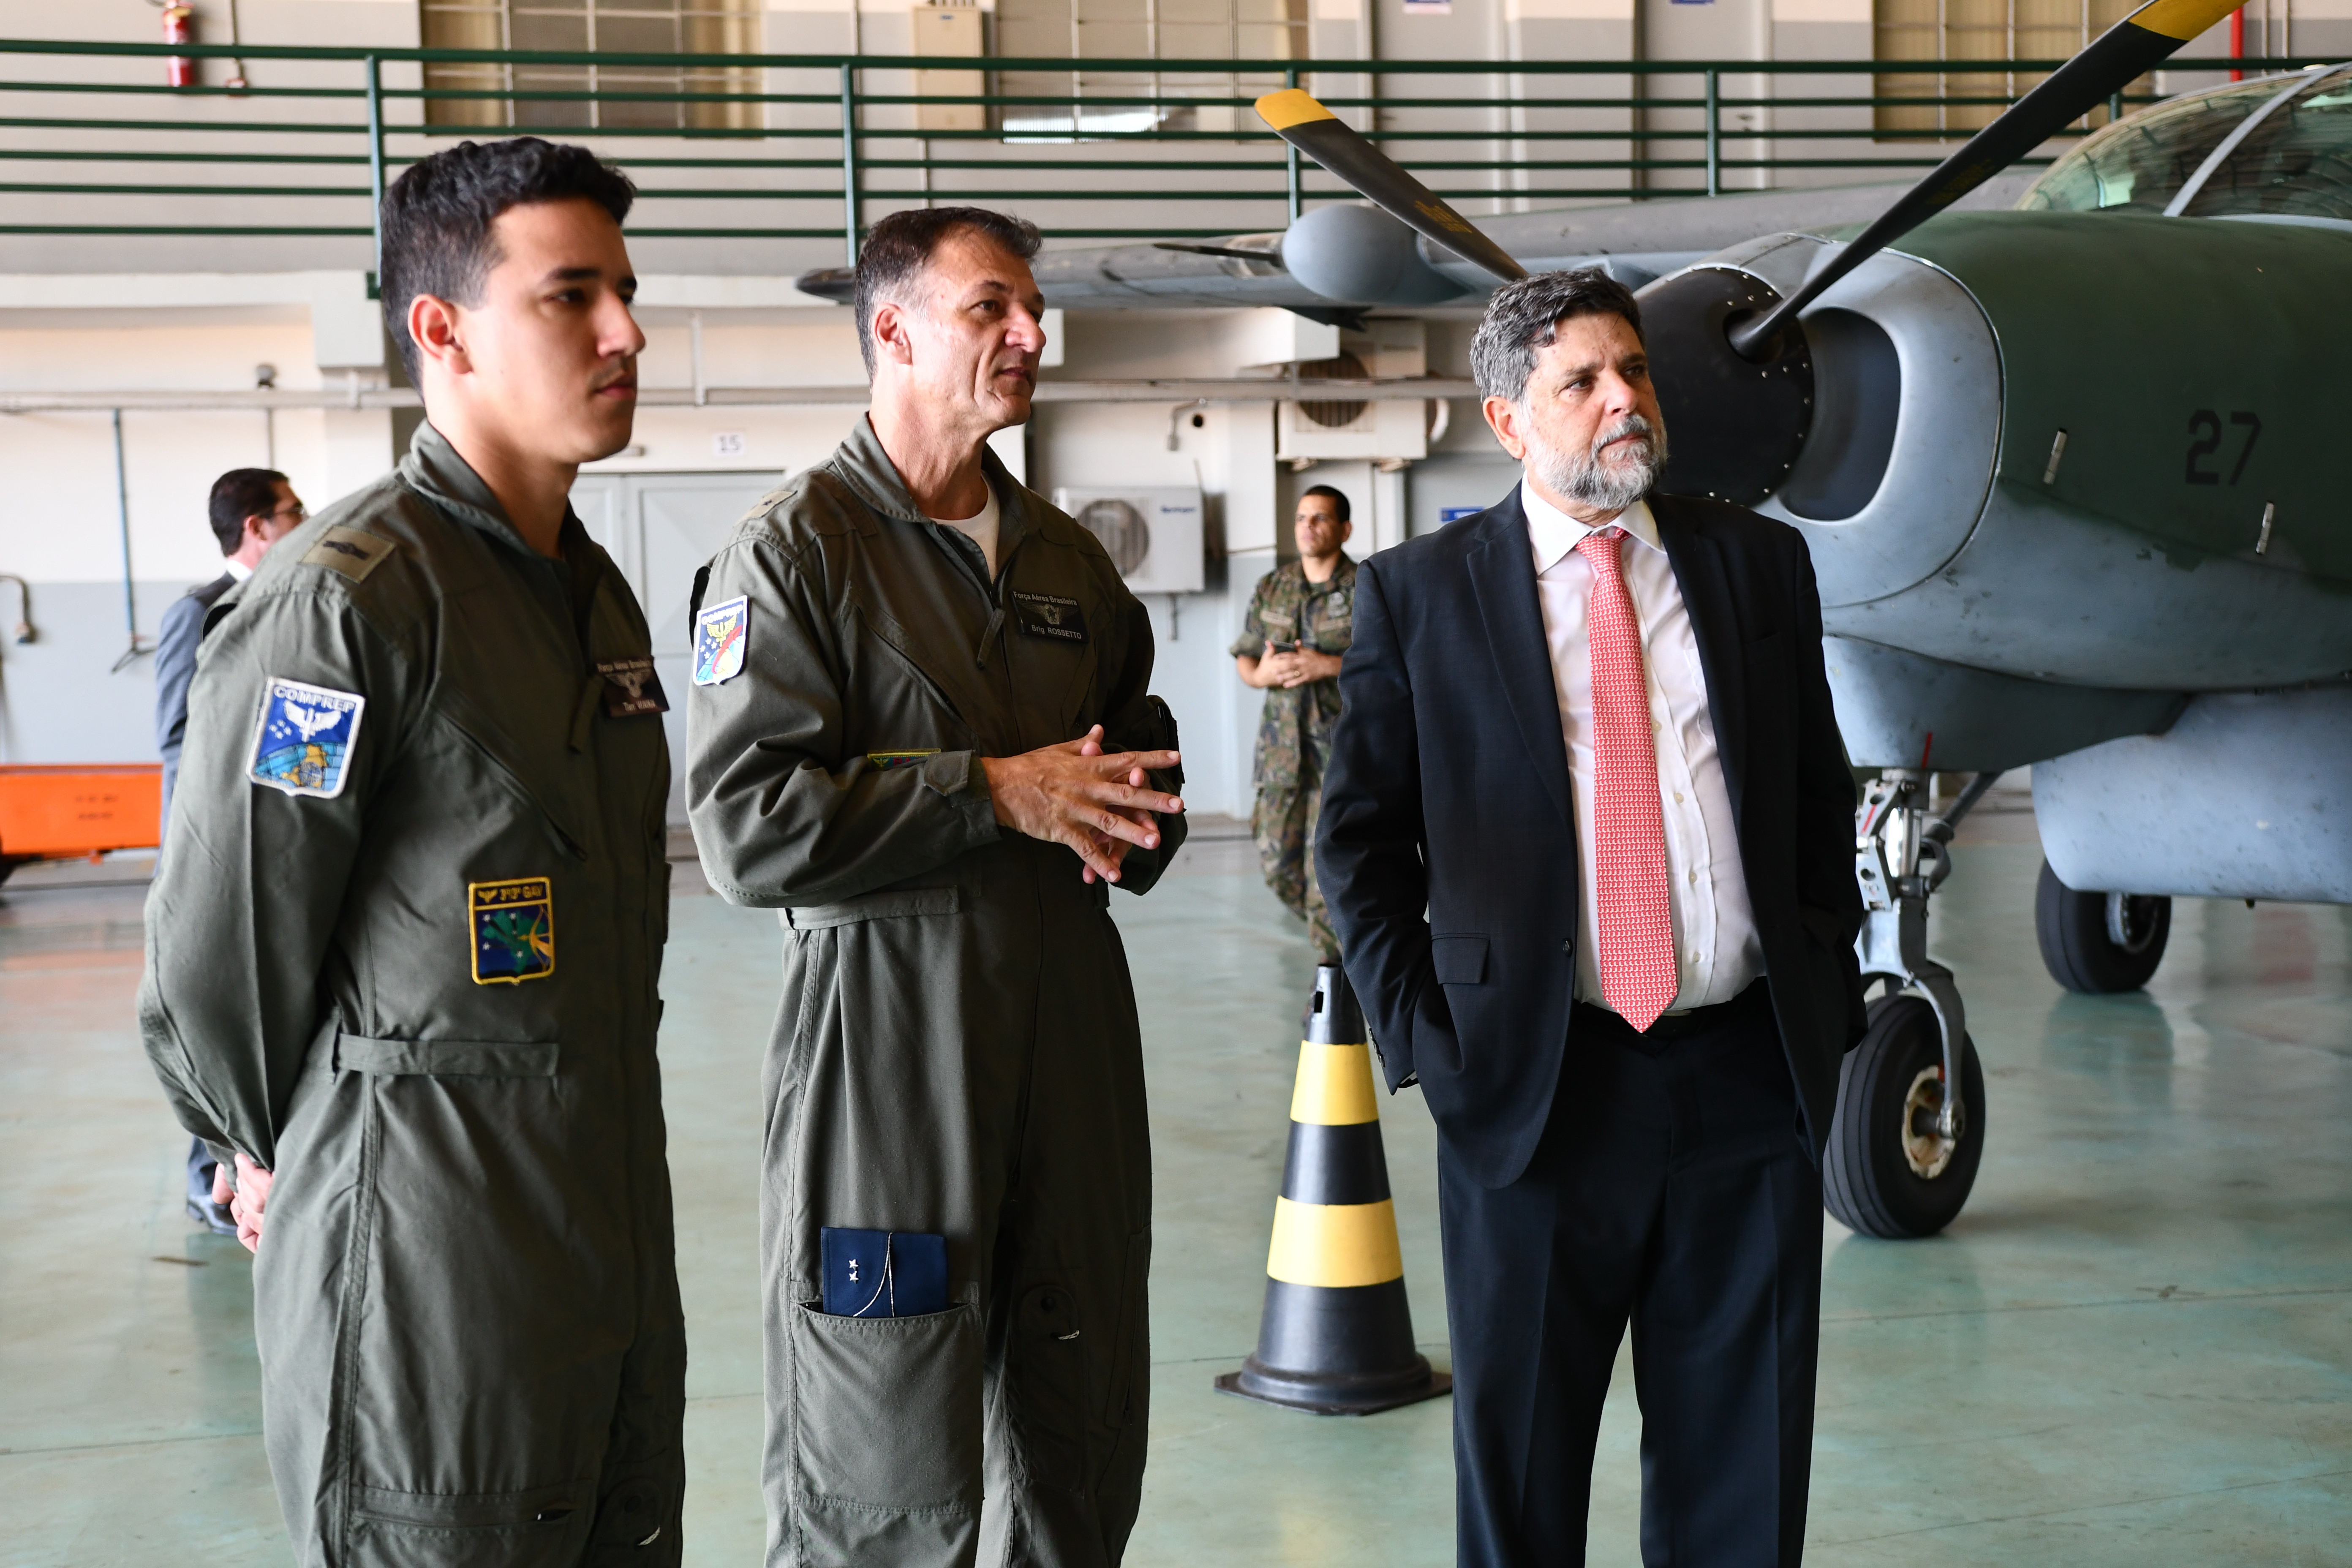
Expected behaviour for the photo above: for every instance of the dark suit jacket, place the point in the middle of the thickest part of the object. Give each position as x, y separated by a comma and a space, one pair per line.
175, 665
1448, 849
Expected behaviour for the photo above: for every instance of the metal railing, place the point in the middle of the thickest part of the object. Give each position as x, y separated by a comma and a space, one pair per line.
826, 143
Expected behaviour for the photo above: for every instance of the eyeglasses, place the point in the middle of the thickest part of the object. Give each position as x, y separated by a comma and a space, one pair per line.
300, 514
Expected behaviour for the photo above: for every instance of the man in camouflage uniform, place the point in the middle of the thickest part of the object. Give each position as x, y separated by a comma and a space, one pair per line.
1299, 623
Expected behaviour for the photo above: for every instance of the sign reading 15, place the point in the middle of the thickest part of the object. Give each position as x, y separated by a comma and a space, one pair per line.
2205, 440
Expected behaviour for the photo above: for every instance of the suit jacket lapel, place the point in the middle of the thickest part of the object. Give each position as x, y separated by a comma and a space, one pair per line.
1503, 575
1707, 593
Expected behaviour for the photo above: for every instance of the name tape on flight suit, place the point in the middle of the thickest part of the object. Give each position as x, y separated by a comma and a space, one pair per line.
722, 634
349, 551
1049, 616
631, 687
303, 744
883, 761
513, 926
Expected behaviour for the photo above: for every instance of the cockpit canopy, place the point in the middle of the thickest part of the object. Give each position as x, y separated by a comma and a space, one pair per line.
2278, 148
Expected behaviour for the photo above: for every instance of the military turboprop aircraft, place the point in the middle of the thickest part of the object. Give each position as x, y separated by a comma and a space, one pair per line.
2063, 472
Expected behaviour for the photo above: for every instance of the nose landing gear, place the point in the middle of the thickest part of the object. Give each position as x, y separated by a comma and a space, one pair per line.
1903, 1148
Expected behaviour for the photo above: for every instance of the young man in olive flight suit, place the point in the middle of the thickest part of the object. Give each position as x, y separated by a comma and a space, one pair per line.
403, 954
908, 670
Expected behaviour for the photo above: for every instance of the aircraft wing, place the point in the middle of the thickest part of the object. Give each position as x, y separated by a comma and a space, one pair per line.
1636, 241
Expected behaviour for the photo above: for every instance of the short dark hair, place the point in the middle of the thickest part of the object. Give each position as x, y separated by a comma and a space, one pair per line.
1339, 501
1522, 317
236, 495
899, 247
437, 216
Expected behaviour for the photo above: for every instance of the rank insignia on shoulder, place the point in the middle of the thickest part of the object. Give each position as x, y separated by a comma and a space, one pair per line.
883, 761
513, 928
304, 743
631, 687
1049, 616
349, 551
720, 634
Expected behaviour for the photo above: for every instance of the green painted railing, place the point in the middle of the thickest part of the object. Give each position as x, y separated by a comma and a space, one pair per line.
801, 147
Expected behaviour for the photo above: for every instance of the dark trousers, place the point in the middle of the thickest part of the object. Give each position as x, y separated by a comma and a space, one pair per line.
1672, 1191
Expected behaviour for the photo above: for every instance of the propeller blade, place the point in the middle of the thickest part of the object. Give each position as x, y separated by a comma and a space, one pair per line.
2146, 37
1315, 131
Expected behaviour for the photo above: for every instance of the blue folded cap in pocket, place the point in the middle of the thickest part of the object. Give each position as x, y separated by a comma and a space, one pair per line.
883, 1273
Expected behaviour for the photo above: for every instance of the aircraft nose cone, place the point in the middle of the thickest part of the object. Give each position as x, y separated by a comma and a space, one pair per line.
1733, 428
1362, 256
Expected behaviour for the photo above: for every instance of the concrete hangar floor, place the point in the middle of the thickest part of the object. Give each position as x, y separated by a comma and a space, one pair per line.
2135, 1347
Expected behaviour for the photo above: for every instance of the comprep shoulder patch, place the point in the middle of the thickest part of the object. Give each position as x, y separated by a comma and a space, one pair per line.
304, 743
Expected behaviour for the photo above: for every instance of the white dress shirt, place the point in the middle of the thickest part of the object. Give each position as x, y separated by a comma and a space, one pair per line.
1717, 954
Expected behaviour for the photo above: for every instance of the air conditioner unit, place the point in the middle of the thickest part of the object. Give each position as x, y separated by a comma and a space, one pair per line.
1153, 534
1341, 427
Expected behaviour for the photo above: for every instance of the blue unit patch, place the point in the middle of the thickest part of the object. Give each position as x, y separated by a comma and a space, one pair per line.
513, 927
304, 743
721, 633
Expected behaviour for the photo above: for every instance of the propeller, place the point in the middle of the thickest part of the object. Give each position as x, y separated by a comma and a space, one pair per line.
1331, 141
1733, 368
2112, 60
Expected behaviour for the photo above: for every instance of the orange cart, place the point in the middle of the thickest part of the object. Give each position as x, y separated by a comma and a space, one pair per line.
68, 810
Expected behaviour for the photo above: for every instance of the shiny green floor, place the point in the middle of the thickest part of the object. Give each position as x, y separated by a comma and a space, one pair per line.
2134, 1348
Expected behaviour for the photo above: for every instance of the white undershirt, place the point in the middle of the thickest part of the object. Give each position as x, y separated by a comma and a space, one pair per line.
1717, 954
980, 530
237, 570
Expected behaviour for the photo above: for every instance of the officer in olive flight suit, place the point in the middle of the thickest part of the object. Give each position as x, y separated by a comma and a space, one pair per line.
956, 1053
404, 949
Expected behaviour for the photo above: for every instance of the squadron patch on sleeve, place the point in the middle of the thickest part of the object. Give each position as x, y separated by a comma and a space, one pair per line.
513, 928
349, 551
304, 743
720, 635
631, 687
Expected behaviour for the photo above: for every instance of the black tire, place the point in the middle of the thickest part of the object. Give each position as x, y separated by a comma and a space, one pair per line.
2077, 931
1870, 1180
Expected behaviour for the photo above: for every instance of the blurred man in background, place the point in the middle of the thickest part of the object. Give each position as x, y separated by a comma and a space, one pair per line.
251, 510
1299, 623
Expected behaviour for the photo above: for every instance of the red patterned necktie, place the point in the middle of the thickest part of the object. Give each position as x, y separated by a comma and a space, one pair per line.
1638, 978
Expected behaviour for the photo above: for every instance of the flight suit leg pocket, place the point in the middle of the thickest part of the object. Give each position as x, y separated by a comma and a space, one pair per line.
543, 1525
887, 1436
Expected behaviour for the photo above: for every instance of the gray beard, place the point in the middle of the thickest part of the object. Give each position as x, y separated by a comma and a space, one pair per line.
1582, 476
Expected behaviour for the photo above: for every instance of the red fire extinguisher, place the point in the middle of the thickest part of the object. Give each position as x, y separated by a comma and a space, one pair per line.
179, 27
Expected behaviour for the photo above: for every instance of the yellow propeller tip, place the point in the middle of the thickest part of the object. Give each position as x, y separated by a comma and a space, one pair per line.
1291, 106
2181, 19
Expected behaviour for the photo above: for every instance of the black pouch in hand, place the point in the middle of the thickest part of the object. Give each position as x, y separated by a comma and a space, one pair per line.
1164, 720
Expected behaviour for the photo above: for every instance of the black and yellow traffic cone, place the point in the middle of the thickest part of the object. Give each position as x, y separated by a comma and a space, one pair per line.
1337, 1335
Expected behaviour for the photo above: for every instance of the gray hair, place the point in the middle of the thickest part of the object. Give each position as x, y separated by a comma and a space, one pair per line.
901, 245
1522, 317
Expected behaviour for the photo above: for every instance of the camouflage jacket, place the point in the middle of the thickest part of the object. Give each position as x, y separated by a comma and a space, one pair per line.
1287, 609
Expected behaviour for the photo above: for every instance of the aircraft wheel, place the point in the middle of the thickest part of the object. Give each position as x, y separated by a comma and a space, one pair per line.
1887, 1172
2099, 943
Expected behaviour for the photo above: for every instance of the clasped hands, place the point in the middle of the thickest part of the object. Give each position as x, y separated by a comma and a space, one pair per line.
1101, 805
246, 1200
1300, 666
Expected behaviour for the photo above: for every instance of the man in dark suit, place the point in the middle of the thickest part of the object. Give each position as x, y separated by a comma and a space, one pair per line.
1588, 841
249, 509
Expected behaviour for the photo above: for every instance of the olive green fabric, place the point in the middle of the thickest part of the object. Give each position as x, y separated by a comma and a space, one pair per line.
1294, 732
465, 1297
957, 1051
